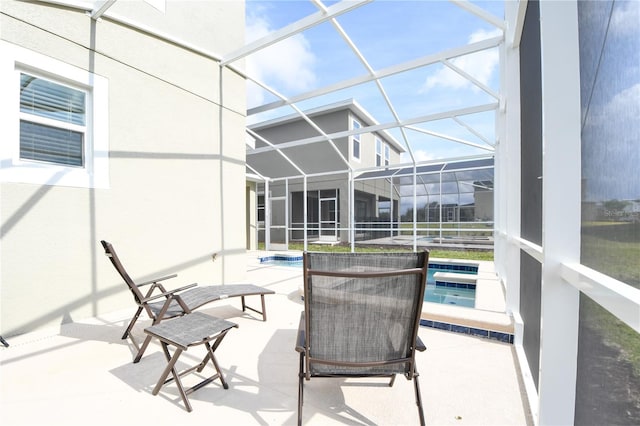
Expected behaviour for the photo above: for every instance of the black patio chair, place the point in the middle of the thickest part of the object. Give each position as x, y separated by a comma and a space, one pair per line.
160, 303
361, 317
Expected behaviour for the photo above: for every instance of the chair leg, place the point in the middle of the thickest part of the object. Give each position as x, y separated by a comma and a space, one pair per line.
418, 399
210, 351
264, 309
211, 356
300, 388
132, 322
143, 348
4, 342
176, 376
171, 368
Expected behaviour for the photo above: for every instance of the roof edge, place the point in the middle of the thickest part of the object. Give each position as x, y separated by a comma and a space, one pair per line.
347, 104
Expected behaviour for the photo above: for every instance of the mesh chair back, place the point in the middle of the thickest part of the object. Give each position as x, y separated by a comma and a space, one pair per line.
113, 257
362, 312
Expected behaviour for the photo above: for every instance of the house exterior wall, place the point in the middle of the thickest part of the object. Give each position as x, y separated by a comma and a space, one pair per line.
175, 169
368, 147
318, 158
301, 129
311, 158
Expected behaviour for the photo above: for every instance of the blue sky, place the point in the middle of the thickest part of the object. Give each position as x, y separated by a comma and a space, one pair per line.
386, 33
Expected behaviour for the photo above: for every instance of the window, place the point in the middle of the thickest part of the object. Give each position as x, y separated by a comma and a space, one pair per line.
53, 121
261, 209
384, 209
356, 141
382, 153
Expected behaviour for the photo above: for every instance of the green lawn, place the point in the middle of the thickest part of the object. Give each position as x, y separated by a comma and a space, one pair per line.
612, 248
448, 254
612, 333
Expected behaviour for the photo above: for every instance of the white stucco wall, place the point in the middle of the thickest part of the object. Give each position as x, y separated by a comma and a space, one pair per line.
176, 163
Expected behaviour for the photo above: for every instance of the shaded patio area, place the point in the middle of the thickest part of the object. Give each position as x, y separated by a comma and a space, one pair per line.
82, 373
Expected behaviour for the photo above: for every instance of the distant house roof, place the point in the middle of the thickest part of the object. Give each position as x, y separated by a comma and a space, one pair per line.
443, 166
349, 104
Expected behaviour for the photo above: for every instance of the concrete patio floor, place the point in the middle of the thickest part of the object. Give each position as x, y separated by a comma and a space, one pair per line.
82, 374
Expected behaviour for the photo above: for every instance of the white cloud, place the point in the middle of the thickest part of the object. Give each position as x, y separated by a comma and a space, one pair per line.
285, 66
625, 18
480, 65
625, 103
622, 108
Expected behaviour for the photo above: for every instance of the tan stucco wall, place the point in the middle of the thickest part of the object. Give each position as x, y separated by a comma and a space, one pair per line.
318, 157
368, 147
176, 164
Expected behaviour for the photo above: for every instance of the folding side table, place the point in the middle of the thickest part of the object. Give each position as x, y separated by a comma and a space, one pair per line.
183, 332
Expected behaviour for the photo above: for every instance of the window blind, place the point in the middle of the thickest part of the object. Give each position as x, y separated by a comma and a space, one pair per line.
52, 122
50, 144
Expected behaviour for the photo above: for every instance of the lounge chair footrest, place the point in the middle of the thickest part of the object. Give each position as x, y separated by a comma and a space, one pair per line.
182, 333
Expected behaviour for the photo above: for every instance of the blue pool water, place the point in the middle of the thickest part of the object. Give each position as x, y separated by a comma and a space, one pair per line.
442, 292
278, 262
449, 293
282, 260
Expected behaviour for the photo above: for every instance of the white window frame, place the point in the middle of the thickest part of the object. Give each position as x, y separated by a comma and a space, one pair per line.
15, 60
379, 150
387, 154
56, 123
356, 141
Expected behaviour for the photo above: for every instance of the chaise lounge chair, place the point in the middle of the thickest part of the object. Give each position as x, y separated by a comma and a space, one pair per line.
166, 304
361, 317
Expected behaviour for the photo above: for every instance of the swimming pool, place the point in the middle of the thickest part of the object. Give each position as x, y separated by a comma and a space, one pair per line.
282, 260
449, 292
445, 291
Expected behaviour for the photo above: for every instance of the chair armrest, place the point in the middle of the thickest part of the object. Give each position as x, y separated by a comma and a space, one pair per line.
157, 279
300, 340
167, 293
419, 345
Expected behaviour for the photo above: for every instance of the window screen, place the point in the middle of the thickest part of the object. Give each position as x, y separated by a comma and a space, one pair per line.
531, 130
531, 185
608, 371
